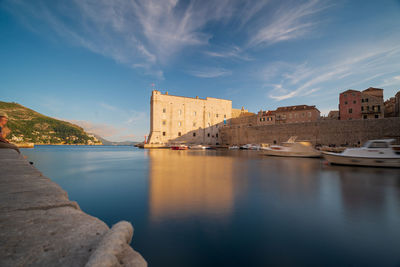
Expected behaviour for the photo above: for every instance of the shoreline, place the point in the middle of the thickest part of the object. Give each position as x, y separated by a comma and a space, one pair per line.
42, 227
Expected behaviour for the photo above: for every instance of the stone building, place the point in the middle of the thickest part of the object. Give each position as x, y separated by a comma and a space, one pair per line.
266, 117
178, 119
356, 105
390, 105
296, 114
372, 106
333, 115
397, 105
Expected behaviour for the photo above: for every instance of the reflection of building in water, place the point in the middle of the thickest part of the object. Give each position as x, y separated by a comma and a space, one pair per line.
186, 183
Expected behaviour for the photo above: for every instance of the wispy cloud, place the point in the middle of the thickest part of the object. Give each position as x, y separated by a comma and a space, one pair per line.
302, 80
233, 53
288, 22
210, 73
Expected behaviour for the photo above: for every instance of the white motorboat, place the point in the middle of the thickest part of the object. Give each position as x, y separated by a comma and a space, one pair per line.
303, 149
374, 153
233, 147
198, 147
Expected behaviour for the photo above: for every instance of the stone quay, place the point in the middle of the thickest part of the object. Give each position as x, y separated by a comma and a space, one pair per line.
40, 226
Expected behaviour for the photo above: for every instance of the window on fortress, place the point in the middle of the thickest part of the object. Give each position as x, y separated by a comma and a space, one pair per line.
350, 110
180, 124
345, 102
164, 110
354, 102
195, 113
216, 135
260, 119
164, 122
367, 107
366, 100
216, 115
194, 134
362, 100
180, 112
362, 108
163, 133
365, 117
194, 124
376, 116
379, 108
179, 134
208, 135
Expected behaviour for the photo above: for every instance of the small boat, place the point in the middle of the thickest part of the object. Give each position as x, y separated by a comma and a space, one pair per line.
198, 147
233, 147
374, 153
303, 149
179, 147
250, 147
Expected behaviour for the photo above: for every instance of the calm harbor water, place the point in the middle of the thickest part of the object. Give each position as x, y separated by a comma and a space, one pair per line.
236, 208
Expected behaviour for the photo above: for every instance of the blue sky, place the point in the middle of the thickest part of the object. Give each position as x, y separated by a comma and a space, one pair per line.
93, 62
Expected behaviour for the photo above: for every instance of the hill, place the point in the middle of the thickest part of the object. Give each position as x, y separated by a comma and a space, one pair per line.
112, 143
29, 126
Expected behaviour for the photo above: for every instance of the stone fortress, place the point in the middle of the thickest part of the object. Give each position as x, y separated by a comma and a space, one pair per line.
213, 121
178, 119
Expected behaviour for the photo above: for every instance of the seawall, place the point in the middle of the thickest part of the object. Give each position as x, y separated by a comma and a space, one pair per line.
40, 226
324, 132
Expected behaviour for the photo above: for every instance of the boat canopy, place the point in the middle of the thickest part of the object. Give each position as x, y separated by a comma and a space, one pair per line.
382, 143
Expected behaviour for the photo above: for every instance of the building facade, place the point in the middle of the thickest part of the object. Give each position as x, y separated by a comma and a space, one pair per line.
177, 119
372, 105
350, 105
296, 114
356, 105
397, 104
266, 117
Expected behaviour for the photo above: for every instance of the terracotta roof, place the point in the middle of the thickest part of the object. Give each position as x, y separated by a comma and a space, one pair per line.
350, 91
293, 108
373, 89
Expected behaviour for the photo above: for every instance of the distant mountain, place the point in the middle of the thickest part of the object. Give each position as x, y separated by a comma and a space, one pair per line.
29, 126
112, 143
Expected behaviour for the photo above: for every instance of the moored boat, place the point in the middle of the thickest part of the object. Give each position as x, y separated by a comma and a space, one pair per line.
303, 149
198, 147
374, 153
179, 147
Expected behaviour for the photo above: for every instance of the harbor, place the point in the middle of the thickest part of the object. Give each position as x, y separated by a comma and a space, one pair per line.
187, 204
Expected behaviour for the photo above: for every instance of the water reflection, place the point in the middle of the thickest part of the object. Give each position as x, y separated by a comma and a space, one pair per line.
189, 183
236, 207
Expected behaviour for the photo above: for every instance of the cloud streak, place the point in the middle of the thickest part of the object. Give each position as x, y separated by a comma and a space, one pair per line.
289, 22
302, 80
210, 73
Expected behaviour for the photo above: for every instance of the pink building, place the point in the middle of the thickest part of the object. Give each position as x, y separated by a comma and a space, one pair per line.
350, 105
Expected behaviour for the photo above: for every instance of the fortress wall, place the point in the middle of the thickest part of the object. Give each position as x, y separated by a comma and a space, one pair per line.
326, 132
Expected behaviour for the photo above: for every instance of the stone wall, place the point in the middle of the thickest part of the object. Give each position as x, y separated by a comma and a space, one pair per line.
325, 132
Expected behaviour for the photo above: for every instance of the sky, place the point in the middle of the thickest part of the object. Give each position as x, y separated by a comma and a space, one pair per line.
95, 62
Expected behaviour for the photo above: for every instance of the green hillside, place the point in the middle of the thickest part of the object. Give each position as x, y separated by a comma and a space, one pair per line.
28, 126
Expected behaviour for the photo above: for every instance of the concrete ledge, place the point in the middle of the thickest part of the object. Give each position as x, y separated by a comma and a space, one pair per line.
40, 226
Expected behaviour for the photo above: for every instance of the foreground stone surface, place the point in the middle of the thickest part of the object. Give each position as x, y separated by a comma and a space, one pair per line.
40, 226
